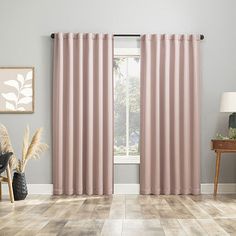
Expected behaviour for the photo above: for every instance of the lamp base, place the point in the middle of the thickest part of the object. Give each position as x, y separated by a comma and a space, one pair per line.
232, 120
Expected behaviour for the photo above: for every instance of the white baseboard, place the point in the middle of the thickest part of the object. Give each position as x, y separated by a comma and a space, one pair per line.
223, 188
48, 189
126, 189
33, 188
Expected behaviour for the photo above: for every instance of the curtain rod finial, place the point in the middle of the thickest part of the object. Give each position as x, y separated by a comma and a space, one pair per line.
52, 36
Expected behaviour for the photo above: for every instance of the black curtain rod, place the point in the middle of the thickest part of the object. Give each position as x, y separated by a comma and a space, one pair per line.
129, 35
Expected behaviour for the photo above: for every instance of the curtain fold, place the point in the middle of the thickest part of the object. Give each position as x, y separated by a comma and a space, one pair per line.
170, 131
83, 114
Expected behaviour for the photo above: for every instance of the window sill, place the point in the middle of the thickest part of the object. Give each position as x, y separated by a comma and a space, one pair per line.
126, 159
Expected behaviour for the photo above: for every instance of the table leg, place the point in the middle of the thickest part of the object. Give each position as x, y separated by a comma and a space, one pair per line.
218, 156
9, 181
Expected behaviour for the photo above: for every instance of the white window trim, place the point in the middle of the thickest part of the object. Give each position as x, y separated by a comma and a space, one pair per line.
126, 52
126, 159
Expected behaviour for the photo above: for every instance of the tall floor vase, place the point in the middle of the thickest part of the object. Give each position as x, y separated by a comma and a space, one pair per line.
19, 185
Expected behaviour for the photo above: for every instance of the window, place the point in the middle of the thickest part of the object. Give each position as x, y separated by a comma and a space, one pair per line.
127, 105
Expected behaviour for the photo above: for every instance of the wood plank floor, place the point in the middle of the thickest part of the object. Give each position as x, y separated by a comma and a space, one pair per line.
119, 215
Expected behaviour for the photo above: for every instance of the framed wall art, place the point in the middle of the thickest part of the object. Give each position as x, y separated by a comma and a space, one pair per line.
16, 89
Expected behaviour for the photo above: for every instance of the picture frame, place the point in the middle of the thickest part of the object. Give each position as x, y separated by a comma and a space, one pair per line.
17, 90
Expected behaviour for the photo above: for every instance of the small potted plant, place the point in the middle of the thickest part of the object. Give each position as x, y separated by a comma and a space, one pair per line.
30, 150
231, 135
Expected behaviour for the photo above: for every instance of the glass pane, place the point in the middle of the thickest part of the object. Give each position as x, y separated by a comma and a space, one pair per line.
120, 85
134, 105
126, 105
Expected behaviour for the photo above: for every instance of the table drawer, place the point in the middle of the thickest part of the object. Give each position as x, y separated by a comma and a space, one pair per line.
224, 144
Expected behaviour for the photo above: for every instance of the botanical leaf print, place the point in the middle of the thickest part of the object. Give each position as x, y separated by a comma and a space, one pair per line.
9, 106
26, 92
10, 96
20, 109
20, 94
29, 75
12, 83
20, 78
25, 100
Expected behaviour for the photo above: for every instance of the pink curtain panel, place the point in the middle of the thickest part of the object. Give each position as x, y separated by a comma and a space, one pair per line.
170, 147
83, 114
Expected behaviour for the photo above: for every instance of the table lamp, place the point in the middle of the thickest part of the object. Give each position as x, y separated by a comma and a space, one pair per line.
228, 104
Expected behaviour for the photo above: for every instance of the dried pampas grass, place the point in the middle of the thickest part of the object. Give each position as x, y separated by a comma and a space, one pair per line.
6, 146
30, 150
33, 149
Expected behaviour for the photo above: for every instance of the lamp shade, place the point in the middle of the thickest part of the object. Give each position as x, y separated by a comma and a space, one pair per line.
228, 102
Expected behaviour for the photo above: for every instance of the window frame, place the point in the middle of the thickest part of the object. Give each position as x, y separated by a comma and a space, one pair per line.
121, 52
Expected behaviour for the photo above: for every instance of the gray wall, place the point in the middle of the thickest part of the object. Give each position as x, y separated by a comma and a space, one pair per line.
25, 27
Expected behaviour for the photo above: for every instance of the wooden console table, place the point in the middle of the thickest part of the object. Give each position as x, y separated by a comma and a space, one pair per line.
221, 146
